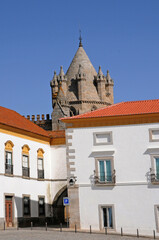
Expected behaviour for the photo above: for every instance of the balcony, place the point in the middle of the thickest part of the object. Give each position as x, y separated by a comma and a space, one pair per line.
154, 177
25, 172
8, 169
102, 179
40, 174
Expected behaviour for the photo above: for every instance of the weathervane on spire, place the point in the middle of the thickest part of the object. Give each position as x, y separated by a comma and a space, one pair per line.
80, 38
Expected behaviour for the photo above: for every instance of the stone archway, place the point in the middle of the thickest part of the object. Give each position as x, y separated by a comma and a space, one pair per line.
58, 208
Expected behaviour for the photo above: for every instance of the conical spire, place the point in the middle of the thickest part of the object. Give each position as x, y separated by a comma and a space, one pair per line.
61, 74
100, 73
55, 76
108, 78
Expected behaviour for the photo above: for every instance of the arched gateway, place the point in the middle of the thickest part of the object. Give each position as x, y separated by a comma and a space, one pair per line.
58, 208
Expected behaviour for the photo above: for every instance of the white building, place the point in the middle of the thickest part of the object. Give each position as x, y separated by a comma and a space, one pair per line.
113, 167
31, 175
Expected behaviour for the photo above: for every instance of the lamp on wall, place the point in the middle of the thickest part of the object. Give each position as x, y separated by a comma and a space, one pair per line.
72, 180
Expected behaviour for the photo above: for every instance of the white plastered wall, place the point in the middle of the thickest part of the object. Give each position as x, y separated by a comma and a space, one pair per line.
133, 197
18, 186
58, 168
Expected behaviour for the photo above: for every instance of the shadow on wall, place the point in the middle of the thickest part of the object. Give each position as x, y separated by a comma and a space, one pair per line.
38, 212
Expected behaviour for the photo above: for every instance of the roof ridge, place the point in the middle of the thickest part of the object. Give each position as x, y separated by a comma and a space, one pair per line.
99, 109
146, 100
122, 109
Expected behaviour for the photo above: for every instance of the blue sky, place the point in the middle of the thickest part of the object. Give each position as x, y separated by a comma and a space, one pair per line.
37, 36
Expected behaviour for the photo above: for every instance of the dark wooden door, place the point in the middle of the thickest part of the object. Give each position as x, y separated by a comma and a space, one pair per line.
8, 206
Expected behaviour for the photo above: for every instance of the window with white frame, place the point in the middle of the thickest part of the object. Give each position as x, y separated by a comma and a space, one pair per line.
105, 172
102, 138
40, 168
40, 163
8, 158
25, 166
154, 170
107, 220
25, 161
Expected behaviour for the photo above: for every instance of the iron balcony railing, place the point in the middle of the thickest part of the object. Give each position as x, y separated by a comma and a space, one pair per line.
8, 168
102, 178
26, 172
154, 176
40, 174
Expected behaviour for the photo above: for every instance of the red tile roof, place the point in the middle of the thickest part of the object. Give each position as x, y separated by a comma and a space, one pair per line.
122, 109
13, 119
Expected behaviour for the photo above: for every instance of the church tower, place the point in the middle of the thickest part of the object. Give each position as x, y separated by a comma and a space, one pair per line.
80, 90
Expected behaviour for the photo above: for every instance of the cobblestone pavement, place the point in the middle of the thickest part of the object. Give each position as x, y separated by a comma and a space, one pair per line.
55, 235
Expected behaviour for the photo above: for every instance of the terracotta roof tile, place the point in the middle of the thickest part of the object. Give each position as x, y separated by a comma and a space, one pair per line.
11, 118
122, 109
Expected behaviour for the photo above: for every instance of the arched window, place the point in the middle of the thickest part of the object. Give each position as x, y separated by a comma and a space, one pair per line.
40, 155
73, 111
93, 108
25, 161
9, 157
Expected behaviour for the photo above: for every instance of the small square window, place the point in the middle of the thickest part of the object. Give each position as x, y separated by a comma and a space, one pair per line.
102, 138
154, 135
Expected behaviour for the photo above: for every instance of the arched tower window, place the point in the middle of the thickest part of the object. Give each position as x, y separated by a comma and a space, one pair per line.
73, 111
40, 155
9, 157
93, 108
25, 161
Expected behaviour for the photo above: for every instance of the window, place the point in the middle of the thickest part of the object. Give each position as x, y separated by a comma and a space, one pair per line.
154, 171
154, 135
41, 206
25, 161
25, 166
107, 217
104, 173
8, 157
102, 138
40, 164
26, 206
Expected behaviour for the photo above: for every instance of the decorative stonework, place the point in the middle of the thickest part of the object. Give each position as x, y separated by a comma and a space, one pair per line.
80, 90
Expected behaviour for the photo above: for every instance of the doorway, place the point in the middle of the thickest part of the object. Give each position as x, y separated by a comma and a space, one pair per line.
58, 207
9, 211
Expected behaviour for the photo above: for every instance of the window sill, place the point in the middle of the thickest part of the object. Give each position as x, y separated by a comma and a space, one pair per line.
155, 182
40, 179
8, 175
25, 177
105, 184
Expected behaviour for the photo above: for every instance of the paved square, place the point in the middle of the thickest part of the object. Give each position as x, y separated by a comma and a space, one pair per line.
55, 235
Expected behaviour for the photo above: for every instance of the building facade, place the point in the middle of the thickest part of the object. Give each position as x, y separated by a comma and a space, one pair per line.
33, 182
113, 160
